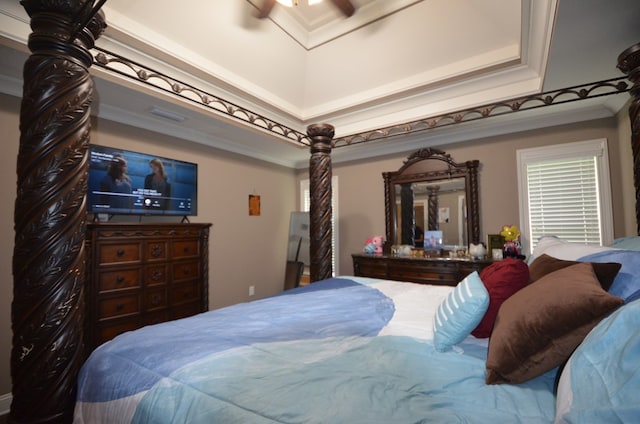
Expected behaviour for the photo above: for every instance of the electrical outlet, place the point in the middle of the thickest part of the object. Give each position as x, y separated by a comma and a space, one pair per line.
252, 290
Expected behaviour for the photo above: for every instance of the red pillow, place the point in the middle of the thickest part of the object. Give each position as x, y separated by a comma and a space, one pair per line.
502, 279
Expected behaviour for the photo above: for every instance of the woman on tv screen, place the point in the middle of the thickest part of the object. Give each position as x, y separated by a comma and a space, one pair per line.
157, 182
118, 184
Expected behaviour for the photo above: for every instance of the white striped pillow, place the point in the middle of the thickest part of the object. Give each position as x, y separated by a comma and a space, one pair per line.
460, 312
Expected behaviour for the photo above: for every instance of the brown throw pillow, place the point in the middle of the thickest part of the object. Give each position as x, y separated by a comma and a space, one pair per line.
540, 326
545, 264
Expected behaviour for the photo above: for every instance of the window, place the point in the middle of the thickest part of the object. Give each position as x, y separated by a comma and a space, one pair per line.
564, 190
305, 204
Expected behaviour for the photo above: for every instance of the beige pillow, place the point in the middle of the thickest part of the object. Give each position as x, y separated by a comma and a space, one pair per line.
541, 325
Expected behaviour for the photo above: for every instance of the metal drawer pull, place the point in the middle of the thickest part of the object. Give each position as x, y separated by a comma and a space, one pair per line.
186, 271
119, 306
185, 249
119, 279
120, 252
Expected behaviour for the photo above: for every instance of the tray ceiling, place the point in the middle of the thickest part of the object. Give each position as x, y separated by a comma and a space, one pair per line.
394, 61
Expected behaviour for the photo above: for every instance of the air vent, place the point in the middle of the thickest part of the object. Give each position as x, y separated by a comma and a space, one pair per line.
173, 116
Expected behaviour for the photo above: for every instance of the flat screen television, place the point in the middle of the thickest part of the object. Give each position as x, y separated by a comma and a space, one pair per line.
134, 183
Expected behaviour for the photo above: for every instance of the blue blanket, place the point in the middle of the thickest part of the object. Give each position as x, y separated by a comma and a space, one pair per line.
627, 281
322, 353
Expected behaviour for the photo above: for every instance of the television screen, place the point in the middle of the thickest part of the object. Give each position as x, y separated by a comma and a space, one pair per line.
126, 182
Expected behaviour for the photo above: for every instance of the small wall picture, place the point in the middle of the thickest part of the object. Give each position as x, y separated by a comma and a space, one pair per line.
254, 205
443, 215
495, 241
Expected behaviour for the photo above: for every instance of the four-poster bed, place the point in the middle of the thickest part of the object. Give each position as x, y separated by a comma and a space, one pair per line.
50, 220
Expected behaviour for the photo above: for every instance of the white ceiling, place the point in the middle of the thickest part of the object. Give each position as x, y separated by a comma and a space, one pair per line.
393, 61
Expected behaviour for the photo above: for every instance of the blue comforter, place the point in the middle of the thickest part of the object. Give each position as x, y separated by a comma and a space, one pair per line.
345, 350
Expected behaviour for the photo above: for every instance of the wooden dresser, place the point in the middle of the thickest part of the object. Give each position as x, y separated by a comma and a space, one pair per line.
445, 271
141, 274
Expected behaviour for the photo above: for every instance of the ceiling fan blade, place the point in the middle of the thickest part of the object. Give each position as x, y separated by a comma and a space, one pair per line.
345, 6
265, 10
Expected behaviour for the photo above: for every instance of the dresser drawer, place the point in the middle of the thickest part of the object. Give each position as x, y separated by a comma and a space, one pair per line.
155, 251
118, 280
155, 317
155, 275
426, 269
186, 310
155, 299
119, 253
109, 331
374, 269
468, 269
186, 271
427, 275
115, 306
185, 249
183, 293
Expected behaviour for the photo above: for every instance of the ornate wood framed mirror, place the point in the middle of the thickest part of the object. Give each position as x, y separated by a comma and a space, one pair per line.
431, 192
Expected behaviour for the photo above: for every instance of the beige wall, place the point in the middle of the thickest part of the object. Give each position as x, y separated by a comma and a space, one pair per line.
361, 192
627, 188
244, 250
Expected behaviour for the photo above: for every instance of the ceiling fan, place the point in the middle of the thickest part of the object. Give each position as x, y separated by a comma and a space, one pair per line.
345, 6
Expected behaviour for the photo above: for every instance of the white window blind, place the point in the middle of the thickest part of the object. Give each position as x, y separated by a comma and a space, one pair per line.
563, 200
305, 200
565, 191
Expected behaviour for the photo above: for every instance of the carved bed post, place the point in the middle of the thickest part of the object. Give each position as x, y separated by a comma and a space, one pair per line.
47, 312
321, 211
629, 63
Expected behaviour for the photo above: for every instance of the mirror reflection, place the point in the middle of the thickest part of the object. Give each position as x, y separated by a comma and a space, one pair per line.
433, 206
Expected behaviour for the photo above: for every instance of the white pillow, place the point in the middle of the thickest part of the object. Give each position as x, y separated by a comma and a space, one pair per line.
460, 312
562, 249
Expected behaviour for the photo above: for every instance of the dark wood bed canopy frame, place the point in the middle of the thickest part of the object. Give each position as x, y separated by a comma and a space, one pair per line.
50, 219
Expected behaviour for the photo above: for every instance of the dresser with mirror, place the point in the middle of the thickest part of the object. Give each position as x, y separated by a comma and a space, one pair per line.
430, 197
